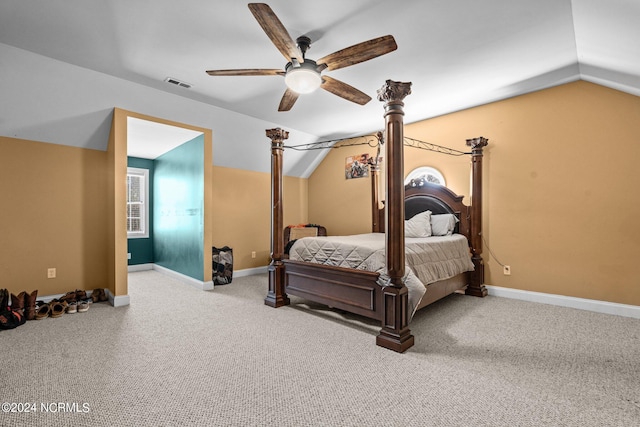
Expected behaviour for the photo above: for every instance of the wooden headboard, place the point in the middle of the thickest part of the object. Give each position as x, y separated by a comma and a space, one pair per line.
421, 195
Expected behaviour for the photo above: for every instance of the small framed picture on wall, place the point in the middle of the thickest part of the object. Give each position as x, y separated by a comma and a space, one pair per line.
356, 166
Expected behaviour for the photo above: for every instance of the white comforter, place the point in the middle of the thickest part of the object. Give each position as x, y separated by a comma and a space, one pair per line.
428, 259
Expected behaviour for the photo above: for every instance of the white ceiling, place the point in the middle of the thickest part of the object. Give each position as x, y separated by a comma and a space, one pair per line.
457, 54
149, 140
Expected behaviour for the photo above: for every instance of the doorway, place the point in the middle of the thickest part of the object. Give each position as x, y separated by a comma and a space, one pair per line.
179, 200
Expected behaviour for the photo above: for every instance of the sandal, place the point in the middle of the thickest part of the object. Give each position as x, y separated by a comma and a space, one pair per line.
57, 308
42, 310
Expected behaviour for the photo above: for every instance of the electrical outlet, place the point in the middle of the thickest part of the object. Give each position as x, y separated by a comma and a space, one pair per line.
129, 255
253, 254
51, 273
507, 270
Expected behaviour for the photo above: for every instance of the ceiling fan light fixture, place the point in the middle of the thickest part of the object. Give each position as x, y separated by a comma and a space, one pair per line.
304, 78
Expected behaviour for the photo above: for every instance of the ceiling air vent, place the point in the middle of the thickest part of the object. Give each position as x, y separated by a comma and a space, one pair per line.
178, 82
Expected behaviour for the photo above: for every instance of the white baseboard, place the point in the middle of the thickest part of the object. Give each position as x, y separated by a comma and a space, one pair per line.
123, 300
250, 271
117, 300
140, 267
605, 307
205, 286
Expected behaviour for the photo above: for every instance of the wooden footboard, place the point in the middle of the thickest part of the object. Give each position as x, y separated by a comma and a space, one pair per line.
355, 291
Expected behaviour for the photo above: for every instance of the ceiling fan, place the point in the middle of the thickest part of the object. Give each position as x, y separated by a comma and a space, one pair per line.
303, 75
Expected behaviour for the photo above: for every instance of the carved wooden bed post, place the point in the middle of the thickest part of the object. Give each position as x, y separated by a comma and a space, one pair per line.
395, 333
374, 167
276, 297
476, 278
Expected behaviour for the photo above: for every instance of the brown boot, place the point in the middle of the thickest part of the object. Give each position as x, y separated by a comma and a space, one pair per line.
30, 305
17, 302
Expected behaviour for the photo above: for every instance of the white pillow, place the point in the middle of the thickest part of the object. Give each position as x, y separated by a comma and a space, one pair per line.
443, 224
418, 226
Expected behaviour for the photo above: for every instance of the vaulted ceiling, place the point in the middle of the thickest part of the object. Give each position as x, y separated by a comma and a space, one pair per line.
457, 54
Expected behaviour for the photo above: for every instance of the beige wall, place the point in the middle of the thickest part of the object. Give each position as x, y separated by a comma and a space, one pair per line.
341, 205
560, 178
56, 214
53, 215
559, 186
242, 212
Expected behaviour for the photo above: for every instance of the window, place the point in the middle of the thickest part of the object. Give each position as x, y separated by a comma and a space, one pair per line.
428, 173
137, 209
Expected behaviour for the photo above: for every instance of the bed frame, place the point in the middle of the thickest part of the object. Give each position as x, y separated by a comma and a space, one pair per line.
357, 291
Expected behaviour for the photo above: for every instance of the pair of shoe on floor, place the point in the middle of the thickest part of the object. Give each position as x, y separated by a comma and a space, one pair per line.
72, 302
25, 303
79, 306
56, 308
97, 295
25, 307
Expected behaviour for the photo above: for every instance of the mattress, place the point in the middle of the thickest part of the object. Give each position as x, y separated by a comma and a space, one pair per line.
428, 259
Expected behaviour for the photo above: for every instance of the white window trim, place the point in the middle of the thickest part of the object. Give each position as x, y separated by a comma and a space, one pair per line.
145, 197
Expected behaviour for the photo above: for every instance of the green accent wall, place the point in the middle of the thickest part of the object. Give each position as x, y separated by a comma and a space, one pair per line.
141, 249
178, 191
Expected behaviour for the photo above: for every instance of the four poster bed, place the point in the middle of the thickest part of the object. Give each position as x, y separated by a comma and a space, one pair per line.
388, 293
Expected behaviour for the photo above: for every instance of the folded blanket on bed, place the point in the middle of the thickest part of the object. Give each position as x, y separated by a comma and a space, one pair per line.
428, 259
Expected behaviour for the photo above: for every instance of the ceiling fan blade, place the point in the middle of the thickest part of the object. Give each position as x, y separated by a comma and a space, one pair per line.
288, 99
359, 53
276, 31
247, 72
345, 91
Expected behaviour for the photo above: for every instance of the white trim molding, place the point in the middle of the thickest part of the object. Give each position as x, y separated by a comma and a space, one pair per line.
117, 300
605, 307
251, 271
205, 286
140, 267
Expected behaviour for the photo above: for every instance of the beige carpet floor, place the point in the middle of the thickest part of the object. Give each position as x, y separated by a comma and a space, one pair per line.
178, 356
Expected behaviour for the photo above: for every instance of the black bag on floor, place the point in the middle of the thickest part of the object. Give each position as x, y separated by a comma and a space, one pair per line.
222, 265
9, 318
